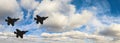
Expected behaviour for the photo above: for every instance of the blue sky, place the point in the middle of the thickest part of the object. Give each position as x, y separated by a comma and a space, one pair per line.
114, 6
89, 17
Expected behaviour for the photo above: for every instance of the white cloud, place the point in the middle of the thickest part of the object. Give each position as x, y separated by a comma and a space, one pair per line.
77, 35
77, 20
65, 37
29, 4
111, 31
61, 15
9, 8
47, 7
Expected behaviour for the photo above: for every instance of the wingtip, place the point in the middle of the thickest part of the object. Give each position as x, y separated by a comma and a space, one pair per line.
26, 31
35, 18
5, 19
47, 16
18, 18
14, 32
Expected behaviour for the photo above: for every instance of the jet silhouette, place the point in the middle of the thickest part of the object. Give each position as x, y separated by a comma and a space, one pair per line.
40, 19
19, 33
11, 21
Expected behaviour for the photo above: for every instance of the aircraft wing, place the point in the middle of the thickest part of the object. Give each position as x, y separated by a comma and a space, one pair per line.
18, 30
41, 22
21, 36
44, 18
24, 32
6, 20
15, 19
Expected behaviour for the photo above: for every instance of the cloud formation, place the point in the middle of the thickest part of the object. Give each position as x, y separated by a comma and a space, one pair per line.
111, 31
9, 8
61, 18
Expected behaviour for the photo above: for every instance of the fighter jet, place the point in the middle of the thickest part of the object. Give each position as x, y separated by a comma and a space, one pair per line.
40, 19
19, 33
11, 21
